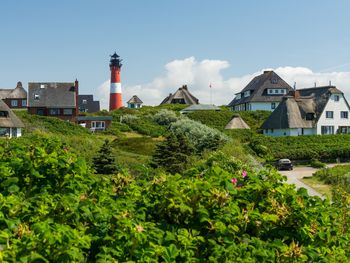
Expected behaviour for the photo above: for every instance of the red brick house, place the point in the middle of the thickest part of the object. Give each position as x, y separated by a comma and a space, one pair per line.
55, 99
15, 98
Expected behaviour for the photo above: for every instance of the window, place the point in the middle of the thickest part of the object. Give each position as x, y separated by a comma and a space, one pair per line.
327, 129
4, 131
282, 91
68, 112
36, 97
274, 80
247, 93
4, 113
238, 96
40, 111
344, 114
24, 103
276, 91
98, 124
336, 97
329, 114
273, 105
310, 116
343, 129
269, 91
84, 101
14, 103
54, 111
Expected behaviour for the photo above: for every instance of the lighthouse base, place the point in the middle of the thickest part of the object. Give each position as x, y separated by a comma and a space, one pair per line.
115, 101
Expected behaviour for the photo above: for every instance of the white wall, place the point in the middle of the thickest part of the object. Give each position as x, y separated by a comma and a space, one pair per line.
336, 107
289, 132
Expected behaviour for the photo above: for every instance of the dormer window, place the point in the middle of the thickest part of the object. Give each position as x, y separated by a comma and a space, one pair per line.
247, 93
4, 113
274, 80
310, 116
336, 97
84, 101
238, 96
36, 97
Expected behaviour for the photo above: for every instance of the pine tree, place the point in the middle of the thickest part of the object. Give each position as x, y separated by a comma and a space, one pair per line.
104, 162
173, 154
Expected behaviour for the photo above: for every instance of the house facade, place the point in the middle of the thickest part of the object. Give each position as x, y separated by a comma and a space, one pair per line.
10, 125
15, 98
181, 96
55, 99
319, 110
95, 123
264, 92
87, 103
134, 102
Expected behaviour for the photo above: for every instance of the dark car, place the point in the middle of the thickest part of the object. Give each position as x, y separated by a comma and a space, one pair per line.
284, 164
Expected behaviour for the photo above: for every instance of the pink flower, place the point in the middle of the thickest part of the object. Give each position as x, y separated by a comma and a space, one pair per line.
234, 181
244, 173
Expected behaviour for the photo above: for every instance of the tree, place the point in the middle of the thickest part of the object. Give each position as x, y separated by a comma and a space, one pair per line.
173, 154
104, 162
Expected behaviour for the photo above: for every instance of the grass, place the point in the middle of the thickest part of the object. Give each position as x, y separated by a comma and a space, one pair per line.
318, 185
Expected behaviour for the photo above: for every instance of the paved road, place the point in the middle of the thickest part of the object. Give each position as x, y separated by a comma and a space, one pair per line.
294, 176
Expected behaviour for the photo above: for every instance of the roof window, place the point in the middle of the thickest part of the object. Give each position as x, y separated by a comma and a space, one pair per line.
36, 97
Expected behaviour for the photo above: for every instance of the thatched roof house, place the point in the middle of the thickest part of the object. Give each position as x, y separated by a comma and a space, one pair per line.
237, 123
10, 124
181, 96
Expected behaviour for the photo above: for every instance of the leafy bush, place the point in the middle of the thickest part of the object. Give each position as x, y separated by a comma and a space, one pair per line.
317, 164
54, 209
165, 117
321, 147
200, 135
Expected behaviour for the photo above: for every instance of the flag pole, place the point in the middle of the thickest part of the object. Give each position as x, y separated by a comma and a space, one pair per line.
211, 103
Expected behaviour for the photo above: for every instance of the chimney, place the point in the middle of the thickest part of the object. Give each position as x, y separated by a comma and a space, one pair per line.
296, 94
19, 84
267, 71
184, 87
76, 86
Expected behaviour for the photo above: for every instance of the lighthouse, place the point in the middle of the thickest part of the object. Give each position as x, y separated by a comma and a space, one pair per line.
115, 96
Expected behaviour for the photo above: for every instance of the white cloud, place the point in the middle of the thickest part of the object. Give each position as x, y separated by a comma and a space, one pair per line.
198, 75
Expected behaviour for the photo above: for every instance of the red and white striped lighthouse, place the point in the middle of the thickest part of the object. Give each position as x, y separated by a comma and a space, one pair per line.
115, 96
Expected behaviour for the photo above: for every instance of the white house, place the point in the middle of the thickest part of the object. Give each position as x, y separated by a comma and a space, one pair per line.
264, 92
134, 102
319, 110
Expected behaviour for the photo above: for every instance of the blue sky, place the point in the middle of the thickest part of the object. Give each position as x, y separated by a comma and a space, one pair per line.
63, 40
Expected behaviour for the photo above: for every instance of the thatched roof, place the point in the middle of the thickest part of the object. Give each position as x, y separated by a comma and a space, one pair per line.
181, 96
10, 120
236, 123
302, 110
17, 93
134, 99
258, 87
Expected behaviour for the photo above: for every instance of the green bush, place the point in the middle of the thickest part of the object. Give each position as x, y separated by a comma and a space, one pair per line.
317, 164
165, 117
200, 135
54, 209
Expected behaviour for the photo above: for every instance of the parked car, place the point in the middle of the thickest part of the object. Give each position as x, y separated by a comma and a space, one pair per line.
284, 164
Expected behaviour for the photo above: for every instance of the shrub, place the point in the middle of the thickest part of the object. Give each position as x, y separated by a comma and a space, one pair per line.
317, 164
104, 162
200, 135
165, 117
173, 154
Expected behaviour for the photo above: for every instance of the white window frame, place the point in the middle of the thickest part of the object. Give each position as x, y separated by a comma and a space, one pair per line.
344, 114
14, 103
24, 103
329, 114
102, 124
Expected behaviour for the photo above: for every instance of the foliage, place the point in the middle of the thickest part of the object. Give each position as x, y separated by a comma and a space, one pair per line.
317, 164
173, 154
201, 136
336, 176
54, 209
165, 117
104, 162
219, 119
321, 147
36, 123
